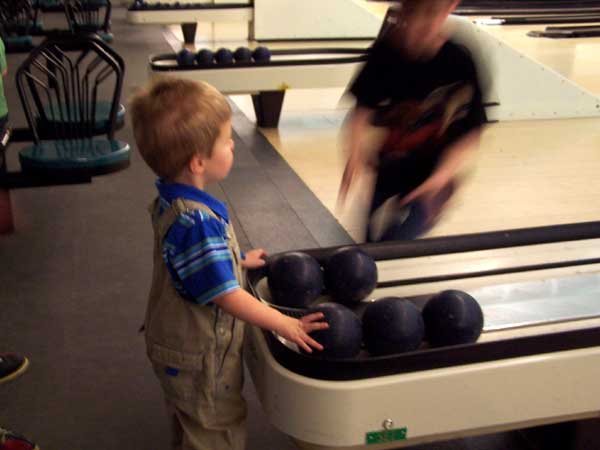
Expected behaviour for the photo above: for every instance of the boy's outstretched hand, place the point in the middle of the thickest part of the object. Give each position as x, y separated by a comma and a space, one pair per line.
254, 259
297, 330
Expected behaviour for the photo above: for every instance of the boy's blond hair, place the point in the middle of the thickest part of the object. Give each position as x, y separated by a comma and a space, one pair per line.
175, 119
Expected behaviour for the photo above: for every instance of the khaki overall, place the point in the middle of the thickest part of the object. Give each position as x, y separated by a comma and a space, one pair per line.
196, 352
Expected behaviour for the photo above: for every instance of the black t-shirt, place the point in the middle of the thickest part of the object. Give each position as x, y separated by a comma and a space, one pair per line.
425, 104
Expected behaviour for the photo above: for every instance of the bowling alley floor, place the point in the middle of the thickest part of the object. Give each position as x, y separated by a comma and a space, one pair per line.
75, 274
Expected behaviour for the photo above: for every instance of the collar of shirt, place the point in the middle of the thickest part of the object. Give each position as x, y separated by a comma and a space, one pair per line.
173, 191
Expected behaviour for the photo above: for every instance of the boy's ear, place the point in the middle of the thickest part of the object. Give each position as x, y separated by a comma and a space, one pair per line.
196, 164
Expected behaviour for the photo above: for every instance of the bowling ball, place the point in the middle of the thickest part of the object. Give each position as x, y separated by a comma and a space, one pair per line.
185, 57
242, 54
392, 325
224, 56
452, 317
295, 279
261, 54
350, 274
343, 337
205, 57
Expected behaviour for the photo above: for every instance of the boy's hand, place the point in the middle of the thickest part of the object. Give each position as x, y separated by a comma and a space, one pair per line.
297, 330
254, 259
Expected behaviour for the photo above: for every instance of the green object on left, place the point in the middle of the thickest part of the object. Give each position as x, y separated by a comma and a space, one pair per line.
3, 67
383, 436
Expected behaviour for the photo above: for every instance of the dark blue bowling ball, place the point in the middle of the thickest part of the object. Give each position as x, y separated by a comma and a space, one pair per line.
350, 274
392, 325
224, 56
205, 57
185, 57
242, 54
295, 279
261, 54
452, 317
343, 337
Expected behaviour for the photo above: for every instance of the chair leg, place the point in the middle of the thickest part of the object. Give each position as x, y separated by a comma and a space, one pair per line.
106, 24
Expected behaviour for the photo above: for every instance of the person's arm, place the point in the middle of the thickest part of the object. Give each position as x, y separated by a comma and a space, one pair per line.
244, 306
451, 161
462, 143
3, 65
359, 120
200, 262
369, 88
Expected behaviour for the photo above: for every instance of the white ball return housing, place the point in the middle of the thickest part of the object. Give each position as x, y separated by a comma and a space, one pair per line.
537, 361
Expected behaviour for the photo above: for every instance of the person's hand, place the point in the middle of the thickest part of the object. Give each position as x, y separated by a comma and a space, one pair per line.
254, 259
297, 330
432, 194
354, 167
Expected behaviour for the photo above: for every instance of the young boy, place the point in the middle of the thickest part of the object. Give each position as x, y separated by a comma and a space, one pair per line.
424, 89
197, 303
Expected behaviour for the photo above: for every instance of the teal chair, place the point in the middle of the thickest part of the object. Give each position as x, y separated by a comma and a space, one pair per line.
70, 89
18, 44
16, 25
89, 16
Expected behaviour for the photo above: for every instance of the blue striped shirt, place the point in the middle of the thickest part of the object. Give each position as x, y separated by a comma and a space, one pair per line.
195, 247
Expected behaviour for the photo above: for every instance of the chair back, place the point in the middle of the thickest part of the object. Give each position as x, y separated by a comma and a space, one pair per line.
69, 84
16, 17
88, 16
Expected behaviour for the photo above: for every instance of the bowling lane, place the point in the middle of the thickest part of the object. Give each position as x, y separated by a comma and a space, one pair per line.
231, 35
526, 173
574, 58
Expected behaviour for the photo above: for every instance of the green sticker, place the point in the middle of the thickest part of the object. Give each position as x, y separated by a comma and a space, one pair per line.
380, 437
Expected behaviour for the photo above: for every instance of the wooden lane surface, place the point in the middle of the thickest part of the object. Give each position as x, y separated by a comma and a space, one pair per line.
526, 173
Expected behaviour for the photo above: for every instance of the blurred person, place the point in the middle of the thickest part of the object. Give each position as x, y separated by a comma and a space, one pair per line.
423, 89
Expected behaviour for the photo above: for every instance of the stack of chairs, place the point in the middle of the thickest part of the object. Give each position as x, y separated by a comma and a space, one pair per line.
84, 16
17, 19
62, 85
70, 90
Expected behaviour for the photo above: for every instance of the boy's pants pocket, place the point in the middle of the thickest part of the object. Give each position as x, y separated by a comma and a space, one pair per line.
203, 398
